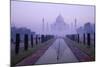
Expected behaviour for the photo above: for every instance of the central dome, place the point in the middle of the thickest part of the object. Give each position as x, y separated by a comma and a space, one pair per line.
59, 27
60, 20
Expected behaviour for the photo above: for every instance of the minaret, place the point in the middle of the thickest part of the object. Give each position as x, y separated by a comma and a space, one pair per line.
47, 28
43, 26
71, 27
75, 25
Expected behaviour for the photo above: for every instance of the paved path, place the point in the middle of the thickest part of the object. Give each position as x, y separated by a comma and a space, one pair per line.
81, 56
59, 52
30, 60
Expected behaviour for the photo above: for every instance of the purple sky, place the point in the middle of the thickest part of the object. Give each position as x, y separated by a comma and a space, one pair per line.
30, 14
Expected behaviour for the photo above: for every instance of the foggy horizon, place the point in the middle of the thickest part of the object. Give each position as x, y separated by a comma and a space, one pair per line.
31, 14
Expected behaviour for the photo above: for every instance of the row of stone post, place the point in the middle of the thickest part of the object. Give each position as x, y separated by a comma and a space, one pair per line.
37, 39
76, 37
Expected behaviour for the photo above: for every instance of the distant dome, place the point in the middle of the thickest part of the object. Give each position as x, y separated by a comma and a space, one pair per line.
59, 27
60, 19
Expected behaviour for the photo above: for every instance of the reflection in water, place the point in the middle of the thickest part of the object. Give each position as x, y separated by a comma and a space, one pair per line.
59, 49
59, 52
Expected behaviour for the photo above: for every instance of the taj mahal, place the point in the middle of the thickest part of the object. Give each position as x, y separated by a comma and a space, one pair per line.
60, 27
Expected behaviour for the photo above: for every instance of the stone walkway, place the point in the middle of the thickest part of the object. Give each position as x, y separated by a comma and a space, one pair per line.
81, 56
34, 57
61, 51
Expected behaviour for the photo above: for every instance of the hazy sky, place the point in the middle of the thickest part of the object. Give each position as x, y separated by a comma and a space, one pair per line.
30, 14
